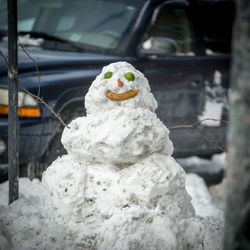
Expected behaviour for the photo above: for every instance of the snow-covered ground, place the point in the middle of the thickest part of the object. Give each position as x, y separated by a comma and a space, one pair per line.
212, 170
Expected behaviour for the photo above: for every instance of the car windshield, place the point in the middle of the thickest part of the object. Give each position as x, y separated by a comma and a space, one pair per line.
89, 23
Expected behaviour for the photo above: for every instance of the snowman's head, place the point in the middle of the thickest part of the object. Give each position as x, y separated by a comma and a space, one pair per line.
119, 84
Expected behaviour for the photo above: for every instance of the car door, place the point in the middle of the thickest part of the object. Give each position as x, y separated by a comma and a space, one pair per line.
176, 79
188, 79
180, 79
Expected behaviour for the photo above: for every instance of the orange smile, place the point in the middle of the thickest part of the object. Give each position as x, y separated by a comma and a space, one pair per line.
123, 96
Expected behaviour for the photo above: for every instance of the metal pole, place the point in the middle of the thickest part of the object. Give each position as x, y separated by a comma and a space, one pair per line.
13, 147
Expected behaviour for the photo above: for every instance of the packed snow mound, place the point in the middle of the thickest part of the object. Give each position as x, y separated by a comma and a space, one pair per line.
118, 136
204, 233
94, 192
24, 226
96, 100
135, 229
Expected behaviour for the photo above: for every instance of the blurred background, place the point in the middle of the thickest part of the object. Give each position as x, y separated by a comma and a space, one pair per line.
183, 48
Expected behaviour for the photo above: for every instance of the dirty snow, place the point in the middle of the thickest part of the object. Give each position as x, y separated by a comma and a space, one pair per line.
24, 226
118, 187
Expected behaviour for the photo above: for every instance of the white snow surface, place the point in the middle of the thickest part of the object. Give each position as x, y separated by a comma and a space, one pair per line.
118, 136
118, 187
100, 190
24, 225
212, 110
26, 40
198, 165
215, 101
201, 198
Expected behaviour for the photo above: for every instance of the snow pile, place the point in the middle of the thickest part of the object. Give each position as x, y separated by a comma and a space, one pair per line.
22, 225
118, 187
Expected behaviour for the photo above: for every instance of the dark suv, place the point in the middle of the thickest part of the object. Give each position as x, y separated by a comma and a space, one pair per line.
182, 47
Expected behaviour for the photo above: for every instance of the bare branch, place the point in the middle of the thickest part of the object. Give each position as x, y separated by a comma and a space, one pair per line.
46, 104
196, 123
4, 57
209, 140
38, 98
193, 126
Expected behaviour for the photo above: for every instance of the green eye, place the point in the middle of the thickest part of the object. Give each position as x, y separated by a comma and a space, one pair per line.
108, 75
130, 76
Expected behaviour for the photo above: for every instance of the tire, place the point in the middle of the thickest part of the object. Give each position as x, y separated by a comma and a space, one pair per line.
35, 169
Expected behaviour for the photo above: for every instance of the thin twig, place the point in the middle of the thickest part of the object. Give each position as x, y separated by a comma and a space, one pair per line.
5, 58
193, 126
209, 140
196, 123
35, 96
36, 65
46, 104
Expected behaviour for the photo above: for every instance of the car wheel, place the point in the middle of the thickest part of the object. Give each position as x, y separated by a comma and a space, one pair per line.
35, 169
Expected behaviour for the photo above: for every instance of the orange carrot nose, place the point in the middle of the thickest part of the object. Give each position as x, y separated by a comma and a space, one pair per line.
120, 83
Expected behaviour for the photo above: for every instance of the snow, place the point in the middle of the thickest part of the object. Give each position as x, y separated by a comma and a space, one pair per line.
217, 77
218, 192
209, 52
215, 102
117, 188
121, 136
96, 100
28, 41
201, 197
196, 164
28, 228
27, 189
212, 110
147, 44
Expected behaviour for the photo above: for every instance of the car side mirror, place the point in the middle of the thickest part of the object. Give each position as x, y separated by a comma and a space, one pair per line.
159, 46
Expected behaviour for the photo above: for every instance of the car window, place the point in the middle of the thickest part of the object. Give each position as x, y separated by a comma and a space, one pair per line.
174, 23
28, 10
217, 21
100, 23
95, 24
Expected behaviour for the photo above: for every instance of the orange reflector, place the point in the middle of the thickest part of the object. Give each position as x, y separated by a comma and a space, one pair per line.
22, 112
29, 112
3, 110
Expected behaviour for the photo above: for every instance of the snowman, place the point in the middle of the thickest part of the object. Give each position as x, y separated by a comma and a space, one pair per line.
118, 183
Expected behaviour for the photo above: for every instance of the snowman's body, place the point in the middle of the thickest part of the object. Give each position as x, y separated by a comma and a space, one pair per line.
119, 181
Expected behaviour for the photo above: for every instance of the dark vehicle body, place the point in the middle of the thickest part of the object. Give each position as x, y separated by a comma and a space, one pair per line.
178, 81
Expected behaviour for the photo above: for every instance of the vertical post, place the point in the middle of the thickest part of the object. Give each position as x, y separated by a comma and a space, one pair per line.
13, 147
237, 214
